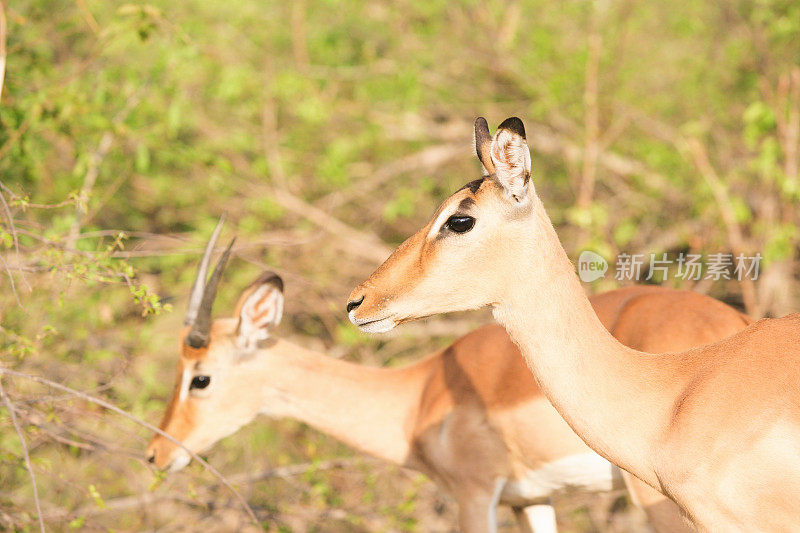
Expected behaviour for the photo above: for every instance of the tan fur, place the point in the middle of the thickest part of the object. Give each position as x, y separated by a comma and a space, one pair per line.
467, 416
715, 427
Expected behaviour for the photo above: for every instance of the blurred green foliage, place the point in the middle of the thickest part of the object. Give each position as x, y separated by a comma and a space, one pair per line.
126, 129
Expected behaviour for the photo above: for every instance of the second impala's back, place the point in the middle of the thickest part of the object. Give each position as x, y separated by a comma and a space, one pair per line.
481, 382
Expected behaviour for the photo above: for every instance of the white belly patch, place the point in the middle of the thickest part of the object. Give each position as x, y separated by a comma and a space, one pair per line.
585, 472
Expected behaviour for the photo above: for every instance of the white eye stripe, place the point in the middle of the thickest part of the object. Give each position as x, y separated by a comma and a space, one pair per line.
186, 379
440, 220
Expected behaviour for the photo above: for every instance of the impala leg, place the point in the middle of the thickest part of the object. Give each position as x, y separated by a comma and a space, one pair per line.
477, 509
536, 518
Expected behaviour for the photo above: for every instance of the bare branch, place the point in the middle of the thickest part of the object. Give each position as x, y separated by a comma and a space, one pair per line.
15, 136
14, 235
11, 279
93, 171
591, 147
428, 159
152, 498
3, 34
25, 454
366, 245
723, 199
791, 133
299, 45
88, 17
88, 184
270, 138
115, 409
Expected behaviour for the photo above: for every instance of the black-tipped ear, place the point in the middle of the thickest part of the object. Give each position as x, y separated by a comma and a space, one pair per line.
483, 144
513, 124
511, 158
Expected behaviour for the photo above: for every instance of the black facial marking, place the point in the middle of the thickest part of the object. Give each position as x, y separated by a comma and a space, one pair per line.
513, 124
473, 185
465, 204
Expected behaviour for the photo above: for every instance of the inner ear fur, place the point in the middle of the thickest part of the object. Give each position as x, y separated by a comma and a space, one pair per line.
511, 157
269, 280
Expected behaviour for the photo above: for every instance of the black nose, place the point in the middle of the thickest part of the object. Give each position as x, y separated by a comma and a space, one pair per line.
354, 303
152, 457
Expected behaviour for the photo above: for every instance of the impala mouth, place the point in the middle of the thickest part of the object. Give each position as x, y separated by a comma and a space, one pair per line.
179, 462
380, 325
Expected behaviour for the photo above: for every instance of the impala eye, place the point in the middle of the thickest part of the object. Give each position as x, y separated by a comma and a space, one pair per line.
459, 223
200, 382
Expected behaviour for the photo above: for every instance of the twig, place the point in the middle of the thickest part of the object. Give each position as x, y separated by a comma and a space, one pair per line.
93, 171
545, 140
150, 498
509, 27
367, 245
719, 191
65, 440
428, 159
789, 123
11, 279
88, 17
15, 135
25, 454
723, 199
591, 148
14, 235
271, 139
3, 34
297, 469
88, 184
115, 409
299, 45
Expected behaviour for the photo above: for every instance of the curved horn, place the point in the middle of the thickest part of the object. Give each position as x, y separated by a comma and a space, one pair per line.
199, 334
202, 274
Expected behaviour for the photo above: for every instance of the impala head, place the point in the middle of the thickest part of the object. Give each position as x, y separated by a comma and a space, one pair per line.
211, 398
464, 257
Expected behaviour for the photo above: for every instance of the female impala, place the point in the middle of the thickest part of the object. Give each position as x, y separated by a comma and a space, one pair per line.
717, 428
469, 416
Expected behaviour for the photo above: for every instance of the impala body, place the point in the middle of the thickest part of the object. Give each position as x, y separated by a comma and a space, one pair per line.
717, 428
470, 416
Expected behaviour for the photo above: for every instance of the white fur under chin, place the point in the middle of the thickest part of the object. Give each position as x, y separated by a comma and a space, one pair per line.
180, 461
379, 326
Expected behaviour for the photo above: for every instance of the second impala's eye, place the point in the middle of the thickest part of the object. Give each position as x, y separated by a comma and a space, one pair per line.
459, 223
200, 382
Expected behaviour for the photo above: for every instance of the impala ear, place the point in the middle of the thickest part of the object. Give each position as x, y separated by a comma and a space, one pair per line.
259, 310
511, 158
483, 145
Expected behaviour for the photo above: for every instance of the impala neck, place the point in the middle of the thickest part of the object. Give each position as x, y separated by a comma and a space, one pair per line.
366, 408
612, 397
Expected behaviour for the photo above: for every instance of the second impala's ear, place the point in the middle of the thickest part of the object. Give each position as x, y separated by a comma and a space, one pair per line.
483, 144
511, 158
259, 310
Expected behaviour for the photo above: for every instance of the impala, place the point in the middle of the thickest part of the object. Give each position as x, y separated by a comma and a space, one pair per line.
717, 428
470, 416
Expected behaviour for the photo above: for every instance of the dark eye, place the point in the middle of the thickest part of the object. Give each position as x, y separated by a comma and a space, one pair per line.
459, 223
200, 382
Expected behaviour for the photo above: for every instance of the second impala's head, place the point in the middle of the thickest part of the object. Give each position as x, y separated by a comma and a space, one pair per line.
216, 390
464, 258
